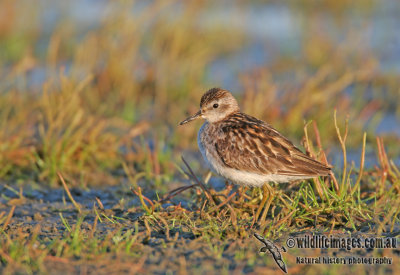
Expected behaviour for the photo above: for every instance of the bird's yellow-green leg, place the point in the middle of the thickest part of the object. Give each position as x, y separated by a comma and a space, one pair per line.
268, 204
266, 193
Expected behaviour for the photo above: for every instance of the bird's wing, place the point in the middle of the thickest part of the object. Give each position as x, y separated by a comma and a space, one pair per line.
251, 145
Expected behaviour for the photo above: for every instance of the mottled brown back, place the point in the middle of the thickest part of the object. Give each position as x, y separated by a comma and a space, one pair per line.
251, 145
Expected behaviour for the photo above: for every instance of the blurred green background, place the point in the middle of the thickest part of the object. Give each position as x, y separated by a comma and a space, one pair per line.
95, 89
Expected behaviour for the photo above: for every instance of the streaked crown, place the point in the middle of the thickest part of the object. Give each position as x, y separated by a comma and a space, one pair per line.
212, 94
216, 104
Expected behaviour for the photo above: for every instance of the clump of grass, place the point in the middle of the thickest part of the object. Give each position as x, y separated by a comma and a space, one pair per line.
16, 150
70, 140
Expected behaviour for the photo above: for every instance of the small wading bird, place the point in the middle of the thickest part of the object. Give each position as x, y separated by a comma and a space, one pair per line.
246, 150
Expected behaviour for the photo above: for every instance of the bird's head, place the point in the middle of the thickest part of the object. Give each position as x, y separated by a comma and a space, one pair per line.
215, 105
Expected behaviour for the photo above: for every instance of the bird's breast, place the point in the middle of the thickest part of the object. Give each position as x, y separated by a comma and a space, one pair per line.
206, 142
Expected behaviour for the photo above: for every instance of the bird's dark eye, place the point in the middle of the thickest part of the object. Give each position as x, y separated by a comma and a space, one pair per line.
215, 106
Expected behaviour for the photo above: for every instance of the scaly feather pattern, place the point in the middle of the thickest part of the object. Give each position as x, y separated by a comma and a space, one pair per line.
248, 144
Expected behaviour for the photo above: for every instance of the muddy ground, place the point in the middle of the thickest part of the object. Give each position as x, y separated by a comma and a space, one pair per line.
178, 251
